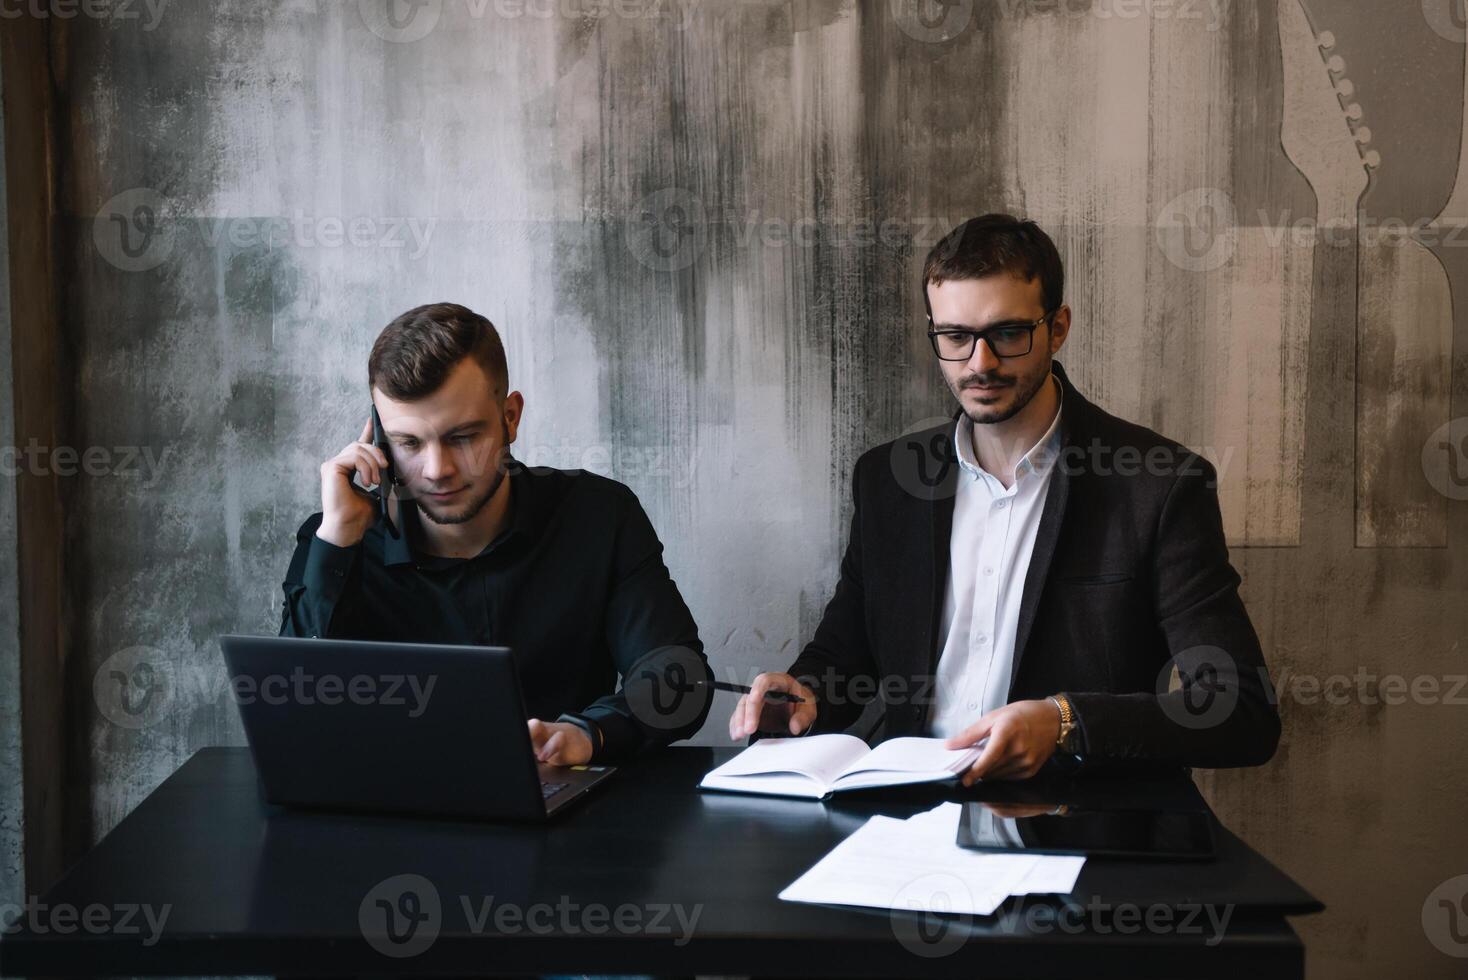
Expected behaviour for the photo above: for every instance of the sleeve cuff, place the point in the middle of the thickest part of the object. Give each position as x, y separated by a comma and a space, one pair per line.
620, 736
327, 568
592, 730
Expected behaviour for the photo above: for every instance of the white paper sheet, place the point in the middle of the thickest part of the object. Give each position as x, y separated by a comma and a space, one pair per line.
916, 864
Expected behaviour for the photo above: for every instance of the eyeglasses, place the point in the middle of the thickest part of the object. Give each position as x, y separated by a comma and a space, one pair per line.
1004, 340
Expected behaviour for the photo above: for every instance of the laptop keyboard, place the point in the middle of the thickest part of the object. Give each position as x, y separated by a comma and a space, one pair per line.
547, 790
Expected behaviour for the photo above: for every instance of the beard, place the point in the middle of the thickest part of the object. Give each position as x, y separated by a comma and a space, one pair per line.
1023, 388
463, 513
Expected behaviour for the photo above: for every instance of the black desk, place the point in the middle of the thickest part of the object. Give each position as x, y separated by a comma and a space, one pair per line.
250, 889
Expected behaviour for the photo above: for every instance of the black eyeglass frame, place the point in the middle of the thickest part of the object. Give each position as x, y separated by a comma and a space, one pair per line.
977, 335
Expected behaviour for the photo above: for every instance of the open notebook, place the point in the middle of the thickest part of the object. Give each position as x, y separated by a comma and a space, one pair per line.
818, 765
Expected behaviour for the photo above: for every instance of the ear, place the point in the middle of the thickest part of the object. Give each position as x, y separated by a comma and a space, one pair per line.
513, 411
1059, 328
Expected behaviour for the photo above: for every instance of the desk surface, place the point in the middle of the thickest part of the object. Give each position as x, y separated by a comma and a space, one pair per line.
649, 875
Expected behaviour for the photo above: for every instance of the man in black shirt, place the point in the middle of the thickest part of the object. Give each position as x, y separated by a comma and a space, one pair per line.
562, 567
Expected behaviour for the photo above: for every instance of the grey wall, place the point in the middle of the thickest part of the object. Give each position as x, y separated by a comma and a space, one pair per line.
698, 230
12, 882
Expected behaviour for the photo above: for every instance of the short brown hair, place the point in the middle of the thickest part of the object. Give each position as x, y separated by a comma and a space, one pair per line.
413, 355
996, 243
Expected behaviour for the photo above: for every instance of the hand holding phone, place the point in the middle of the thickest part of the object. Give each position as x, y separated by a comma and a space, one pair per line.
348, 509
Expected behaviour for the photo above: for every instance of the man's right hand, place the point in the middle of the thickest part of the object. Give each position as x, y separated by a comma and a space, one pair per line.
753, 713
346, 512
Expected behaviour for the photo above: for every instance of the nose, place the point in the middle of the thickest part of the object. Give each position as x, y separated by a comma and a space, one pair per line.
982, 360
437, 464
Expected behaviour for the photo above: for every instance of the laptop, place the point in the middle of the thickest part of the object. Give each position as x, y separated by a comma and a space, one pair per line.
395, 727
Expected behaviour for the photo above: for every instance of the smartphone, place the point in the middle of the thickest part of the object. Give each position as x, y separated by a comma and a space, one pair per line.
379, 439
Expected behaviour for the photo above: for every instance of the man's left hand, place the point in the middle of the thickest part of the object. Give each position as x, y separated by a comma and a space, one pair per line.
559, 743
1021, 738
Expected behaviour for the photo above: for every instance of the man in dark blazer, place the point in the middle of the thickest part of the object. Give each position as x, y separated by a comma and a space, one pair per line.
1036, 573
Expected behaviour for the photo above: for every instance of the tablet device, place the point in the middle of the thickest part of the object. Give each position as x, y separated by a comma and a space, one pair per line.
1148, 835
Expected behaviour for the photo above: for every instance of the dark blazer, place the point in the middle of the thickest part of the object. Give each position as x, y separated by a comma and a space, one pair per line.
1129, 577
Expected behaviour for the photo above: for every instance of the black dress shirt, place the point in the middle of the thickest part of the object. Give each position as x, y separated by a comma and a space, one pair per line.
575, 586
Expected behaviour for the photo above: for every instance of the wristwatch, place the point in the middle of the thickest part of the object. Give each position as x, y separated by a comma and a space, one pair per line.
1069, 737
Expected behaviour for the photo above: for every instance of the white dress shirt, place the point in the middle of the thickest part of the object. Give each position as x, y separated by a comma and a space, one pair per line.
989, 554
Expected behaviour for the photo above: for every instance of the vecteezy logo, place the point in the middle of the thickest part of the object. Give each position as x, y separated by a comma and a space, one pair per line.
130, 230
923, 460
400, 21
676, 14
1209, 690
667, 230
401, 916
1197, 230
932, 21
668, 689
926, 916
134, 687
1445, 459
1447, 18
1445, 917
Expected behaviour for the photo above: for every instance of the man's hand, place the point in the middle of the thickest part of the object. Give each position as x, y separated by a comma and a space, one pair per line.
1021, 739
753, 713
559, 743
347, 513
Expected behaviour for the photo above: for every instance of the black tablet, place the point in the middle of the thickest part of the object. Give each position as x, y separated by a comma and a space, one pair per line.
1148, 835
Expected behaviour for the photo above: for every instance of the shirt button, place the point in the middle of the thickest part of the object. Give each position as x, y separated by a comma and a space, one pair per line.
1001, 504
983, 639
988, 571
973, 706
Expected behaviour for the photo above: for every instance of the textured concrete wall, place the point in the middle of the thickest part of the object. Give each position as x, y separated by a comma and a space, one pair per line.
12, 882
698, 227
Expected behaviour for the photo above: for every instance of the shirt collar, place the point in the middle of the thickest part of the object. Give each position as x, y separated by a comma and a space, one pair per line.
1040, 457
406, 548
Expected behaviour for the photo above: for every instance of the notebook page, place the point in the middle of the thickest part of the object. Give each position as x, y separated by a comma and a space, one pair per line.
913, 755
820, 757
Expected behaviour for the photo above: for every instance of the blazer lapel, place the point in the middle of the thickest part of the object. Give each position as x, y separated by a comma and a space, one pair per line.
941, 524
1045, 538
1073, 410
926, 468
939, 508
935, 454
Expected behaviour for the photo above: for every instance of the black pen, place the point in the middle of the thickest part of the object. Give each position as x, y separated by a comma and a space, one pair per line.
676, 676
769, 695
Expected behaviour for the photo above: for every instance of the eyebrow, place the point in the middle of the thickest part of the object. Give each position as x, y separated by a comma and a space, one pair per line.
460, 429
965, 328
